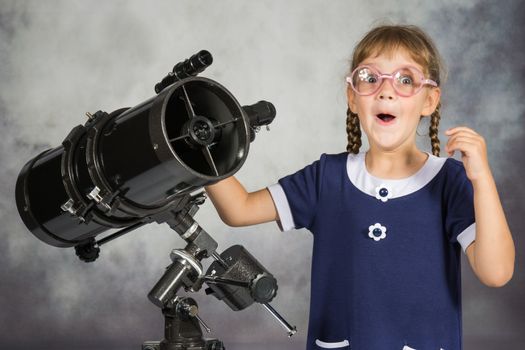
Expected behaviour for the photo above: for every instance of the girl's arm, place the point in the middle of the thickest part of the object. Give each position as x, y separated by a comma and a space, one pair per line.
492, 254
237, 207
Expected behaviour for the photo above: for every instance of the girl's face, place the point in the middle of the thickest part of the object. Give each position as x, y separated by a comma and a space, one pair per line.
375, 111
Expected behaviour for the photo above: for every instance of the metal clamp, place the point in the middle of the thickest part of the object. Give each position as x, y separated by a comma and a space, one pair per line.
95, 195
191, 230
185, 257
69, 206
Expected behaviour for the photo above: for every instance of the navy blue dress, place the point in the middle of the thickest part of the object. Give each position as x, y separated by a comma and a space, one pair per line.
386, 253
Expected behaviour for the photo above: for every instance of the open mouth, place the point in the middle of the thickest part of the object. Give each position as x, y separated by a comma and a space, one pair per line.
386, 118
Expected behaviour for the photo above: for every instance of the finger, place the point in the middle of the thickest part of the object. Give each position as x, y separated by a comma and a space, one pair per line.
476, 138
462, 148
457, 129
465, 134
463, 137
464, 144
453, 132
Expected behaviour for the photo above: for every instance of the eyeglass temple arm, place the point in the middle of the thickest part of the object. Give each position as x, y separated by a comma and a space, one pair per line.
430, 82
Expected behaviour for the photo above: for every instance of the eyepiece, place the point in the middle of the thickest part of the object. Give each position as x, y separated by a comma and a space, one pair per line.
187, 68
193, 65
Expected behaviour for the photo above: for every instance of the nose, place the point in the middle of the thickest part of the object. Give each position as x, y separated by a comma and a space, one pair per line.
386, 90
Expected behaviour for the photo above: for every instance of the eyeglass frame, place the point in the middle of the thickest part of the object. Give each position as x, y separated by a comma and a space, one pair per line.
381, 77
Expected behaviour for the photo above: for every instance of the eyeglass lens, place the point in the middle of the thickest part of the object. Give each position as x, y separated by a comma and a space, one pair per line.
406, 81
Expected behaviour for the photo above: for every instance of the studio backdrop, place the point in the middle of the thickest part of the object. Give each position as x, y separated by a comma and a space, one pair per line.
63, 59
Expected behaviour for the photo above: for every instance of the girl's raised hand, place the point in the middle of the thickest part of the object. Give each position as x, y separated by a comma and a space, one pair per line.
473, 151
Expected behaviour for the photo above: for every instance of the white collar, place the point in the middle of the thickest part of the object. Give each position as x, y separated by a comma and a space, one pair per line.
369, 184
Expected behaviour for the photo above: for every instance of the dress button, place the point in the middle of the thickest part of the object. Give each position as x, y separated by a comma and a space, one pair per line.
383, 192
377, 232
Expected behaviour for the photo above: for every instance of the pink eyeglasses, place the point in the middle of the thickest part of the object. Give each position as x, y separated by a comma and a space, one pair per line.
407, 81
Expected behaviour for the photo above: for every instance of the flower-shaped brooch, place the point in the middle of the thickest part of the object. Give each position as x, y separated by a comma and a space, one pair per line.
383, 192
377, 232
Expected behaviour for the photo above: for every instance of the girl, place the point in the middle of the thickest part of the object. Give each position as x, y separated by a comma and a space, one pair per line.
389, 223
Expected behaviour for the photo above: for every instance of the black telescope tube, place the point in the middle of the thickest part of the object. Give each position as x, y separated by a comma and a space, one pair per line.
127, 166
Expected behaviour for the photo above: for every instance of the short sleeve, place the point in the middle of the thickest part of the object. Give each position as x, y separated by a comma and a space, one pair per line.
296, 196
460, 220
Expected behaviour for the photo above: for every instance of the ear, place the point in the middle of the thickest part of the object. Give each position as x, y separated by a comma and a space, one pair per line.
351, 96
431, 101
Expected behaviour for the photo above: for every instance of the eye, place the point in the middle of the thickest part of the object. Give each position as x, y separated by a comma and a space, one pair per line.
406, 80
367, 76
408, 77
372, 79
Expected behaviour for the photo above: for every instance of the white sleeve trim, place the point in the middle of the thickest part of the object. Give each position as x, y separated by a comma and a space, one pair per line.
468, 236
282, 206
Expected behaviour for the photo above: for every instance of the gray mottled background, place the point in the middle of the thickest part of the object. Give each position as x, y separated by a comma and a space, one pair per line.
60, 59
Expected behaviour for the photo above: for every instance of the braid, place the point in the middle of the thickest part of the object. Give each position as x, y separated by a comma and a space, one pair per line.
353, 130
433, 130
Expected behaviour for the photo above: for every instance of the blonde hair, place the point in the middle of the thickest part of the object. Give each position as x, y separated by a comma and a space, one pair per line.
387, 39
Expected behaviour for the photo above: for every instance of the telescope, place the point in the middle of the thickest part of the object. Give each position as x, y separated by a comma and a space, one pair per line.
145, 164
